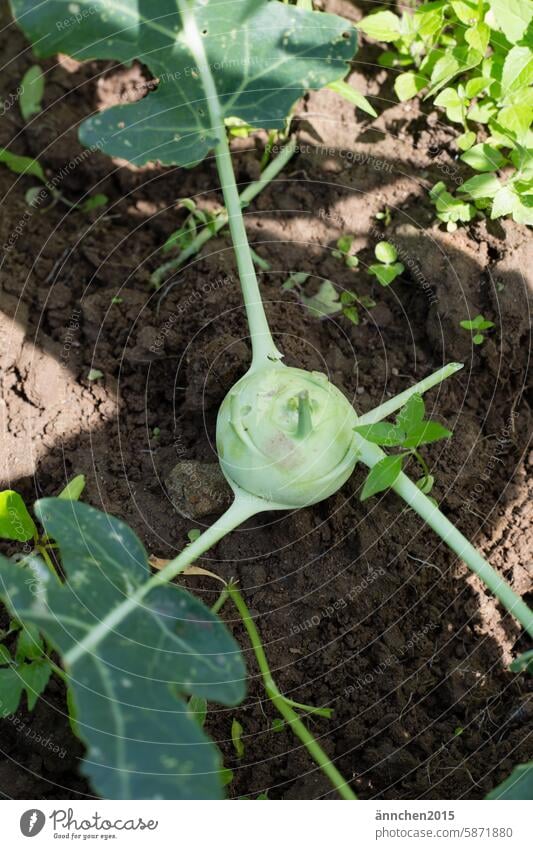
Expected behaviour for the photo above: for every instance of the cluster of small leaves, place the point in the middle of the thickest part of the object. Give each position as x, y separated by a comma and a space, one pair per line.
184, 235
474, 59
387, 268
476, 326
327, 301
343, 251
409, 432
28, 669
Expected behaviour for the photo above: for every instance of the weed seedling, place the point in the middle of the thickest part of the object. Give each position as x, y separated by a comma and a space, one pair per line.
35, 196
344, 246
409, 433
386, 269
476, 326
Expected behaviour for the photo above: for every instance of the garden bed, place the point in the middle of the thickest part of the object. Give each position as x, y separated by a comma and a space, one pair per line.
360, 608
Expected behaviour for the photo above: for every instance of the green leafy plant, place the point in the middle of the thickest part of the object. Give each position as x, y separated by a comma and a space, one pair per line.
387, 268
344, 246
474, 59
273, 420
409, 433
476, 326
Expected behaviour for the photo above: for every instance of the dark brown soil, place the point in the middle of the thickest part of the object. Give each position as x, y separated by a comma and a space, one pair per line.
359, 605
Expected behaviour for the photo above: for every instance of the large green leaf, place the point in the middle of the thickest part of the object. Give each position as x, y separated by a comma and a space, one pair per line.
263, 56
128, 685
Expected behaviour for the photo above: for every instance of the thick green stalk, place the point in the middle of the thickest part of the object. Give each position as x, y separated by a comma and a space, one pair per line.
264, 350
283, 706
389, 407
370, 455
248, 194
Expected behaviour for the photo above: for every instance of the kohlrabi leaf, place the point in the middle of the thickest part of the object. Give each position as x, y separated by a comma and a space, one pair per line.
131, 656
382, 475
263, 56
518, 785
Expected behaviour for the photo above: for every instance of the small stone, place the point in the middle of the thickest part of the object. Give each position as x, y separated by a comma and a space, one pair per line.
198, 489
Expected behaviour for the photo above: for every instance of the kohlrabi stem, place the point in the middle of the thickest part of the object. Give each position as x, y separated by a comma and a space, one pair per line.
248, 194
234, 516
283, 706
264, 351
370, 455
389, 407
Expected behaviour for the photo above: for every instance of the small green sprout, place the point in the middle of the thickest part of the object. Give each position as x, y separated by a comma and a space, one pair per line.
387, 269
116, 299
236, 737
197, 706
238, 128
475, 326
95, 374
326, 301
449, 209
185, 235
458, 731
193, 534
74, 489
344, 246
32, 85
384, 216
409, 433
277, 725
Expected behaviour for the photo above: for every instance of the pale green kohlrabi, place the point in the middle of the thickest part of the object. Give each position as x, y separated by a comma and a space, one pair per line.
286, 435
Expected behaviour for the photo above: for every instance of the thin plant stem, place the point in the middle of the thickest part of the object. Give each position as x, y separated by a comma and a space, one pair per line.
48, 560
396, 403
370, 455
283, 706
264, 350
246, 196
235, 515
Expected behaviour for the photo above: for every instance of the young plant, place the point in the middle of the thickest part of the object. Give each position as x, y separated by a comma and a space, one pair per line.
189, 247
474, 60
327, 301
386, 269
36, 196
409, 433
286, 437
476, 326
344, 246
32, 86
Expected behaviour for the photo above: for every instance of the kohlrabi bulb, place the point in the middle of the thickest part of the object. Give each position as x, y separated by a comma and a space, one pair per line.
286, 435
